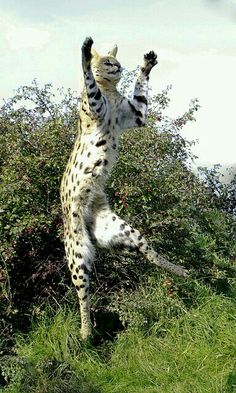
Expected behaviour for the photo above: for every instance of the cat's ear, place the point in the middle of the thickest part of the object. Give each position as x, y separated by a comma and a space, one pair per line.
113, 52
95, 54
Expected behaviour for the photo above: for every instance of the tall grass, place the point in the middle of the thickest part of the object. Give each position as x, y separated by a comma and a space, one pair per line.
197, 354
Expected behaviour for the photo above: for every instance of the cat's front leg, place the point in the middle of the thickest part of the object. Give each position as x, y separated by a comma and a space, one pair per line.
139, 104
141, 85
96, 101
134, 111
86, 53
150, 60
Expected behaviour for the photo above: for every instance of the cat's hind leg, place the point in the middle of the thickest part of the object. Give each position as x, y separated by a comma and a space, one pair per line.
80, 254
110, 230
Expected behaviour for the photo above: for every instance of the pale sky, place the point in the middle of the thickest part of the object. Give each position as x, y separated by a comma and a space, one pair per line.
195, 42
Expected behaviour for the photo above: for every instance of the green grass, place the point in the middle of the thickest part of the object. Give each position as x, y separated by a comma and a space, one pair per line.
197, 354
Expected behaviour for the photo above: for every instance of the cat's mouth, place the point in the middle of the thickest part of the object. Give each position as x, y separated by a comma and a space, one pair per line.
114, 72
118, 71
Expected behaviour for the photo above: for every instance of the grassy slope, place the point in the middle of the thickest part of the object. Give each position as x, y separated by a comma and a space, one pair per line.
196, 354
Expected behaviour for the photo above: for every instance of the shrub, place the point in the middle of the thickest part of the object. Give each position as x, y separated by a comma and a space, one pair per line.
151, 186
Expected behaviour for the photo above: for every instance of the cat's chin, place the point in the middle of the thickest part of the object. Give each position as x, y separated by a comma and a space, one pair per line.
108, 79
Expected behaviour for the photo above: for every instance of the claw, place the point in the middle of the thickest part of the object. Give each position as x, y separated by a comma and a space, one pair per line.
150, 56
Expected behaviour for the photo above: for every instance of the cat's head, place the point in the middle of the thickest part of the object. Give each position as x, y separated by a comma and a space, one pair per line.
106, 69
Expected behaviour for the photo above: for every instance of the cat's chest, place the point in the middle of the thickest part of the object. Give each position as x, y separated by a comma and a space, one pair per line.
100, 148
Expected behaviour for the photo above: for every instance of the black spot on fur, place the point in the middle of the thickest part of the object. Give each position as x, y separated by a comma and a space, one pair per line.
136, 111
113, 218
139, 122
84, 268
98, 162
122, 226
91, 95
78, 255
98, 95
101, 142
87, 170
92, 85
141, 99
99, 109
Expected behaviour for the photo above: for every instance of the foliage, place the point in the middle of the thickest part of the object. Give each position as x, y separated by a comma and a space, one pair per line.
36, 134
196, 355
189, 218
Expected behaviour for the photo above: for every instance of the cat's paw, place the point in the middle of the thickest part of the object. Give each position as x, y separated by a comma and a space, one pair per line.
86, 49
150, 59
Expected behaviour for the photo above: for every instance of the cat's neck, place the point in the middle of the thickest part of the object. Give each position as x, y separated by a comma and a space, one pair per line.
107, 86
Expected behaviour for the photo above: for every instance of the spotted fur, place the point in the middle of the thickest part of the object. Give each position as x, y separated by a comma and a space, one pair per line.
88, 219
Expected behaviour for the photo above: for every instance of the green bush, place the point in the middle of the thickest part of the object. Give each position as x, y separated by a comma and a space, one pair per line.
187, 218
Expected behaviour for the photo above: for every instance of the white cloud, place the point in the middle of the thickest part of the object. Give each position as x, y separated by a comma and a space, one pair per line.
19, 36
27, 38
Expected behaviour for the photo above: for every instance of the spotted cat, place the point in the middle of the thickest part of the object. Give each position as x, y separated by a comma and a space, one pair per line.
88, 218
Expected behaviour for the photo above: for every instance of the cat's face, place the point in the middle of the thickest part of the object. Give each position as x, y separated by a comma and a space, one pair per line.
106, 68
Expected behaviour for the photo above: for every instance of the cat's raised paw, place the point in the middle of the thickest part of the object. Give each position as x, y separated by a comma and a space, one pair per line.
88, 42
150, 58
86, 49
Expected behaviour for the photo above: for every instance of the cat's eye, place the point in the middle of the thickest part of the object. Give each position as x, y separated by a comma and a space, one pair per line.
107, 63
